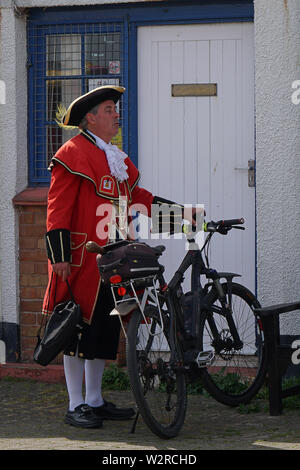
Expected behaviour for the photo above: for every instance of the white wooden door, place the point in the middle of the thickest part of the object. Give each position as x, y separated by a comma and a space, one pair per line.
196, 149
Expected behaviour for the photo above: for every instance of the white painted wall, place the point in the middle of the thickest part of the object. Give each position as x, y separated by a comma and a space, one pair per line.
13, 154
277, 45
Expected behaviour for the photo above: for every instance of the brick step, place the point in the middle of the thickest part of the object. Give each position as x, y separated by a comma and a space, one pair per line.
50, 373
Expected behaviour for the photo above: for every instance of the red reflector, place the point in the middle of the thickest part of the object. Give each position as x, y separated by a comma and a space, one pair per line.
121, 291
115, 279
260, 324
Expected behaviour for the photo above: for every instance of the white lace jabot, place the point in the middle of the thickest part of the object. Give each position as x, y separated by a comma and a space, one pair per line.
115, 158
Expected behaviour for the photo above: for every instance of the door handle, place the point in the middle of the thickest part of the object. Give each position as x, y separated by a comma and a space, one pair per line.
251, 172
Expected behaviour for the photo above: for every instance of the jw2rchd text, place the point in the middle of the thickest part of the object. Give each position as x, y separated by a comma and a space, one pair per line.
174, 459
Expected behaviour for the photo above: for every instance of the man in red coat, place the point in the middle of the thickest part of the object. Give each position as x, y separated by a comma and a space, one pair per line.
88, 174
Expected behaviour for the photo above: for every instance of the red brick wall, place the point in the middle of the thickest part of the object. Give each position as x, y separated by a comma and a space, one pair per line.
33, 274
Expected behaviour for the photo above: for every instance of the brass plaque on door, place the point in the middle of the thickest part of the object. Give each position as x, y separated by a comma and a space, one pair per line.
194, 89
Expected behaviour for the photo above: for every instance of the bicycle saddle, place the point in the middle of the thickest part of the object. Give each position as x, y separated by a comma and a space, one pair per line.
159, 249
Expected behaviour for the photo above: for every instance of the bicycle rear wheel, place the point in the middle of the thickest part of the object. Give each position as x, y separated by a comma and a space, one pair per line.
237, 374
160, 393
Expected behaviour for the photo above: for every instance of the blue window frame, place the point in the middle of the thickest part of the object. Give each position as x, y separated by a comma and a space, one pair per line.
72, 50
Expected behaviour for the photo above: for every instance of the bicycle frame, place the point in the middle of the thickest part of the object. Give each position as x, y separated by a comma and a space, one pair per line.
194, 258
170, 296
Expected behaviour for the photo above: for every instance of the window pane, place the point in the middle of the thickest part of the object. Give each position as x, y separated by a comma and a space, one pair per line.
60, 93
56, 136
102, 54
92, 83
64, 54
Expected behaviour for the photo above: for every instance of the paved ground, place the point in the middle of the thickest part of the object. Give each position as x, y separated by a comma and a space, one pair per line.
32, 419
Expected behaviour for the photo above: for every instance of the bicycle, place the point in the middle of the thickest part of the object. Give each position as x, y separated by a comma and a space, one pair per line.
209, 333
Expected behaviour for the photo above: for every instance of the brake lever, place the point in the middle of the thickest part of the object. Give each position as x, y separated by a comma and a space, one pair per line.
239, 228
223, 230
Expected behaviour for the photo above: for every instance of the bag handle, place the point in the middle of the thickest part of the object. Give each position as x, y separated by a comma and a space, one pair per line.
70, 290
49, 290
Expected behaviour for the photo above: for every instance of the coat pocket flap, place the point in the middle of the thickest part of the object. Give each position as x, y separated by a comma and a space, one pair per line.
78, 240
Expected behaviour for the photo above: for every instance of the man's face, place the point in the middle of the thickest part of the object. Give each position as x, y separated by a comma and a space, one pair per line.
105, 123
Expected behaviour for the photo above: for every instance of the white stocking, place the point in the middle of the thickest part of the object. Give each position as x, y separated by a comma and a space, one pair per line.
93, 381
74, 368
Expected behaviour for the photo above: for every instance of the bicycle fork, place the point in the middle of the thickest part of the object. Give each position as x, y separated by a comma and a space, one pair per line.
226, 312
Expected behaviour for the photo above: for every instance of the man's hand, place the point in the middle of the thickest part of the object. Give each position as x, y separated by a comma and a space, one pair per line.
194, 214
62, 269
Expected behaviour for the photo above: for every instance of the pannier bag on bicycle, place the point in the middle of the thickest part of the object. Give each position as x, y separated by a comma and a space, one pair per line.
129, 261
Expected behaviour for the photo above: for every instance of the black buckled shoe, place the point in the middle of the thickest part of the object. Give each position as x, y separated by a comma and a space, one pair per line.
110, 411
84, 417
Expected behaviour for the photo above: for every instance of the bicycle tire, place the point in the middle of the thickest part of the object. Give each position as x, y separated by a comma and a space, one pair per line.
236, 375
159, 392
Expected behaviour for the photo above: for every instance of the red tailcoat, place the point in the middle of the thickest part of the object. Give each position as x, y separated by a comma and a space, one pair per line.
80, 183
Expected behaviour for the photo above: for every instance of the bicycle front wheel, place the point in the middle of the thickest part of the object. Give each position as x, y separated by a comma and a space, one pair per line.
159, 391
238, 372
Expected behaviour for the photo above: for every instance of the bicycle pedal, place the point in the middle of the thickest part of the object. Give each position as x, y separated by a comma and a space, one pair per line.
201, 358
205, 358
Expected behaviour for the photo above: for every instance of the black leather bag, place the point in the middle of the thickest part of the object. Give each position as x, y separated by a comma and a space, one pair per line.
61, 326
129, 260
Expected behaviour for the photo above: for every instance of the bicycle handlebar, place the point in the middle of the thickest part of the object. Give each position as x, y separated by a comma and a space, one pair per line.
230, 222
222, 226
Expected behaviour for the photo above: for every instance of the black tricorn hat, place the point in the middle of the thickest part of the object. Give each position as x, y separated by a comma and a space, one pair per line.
82, 105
